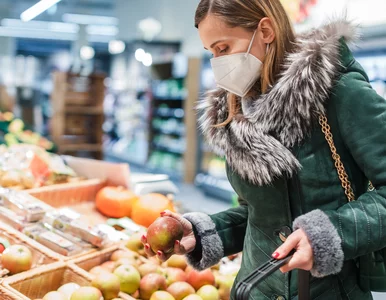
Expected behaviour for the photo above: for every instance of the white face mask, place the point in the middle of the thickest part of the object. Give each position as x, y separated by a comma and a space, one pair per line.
237, 73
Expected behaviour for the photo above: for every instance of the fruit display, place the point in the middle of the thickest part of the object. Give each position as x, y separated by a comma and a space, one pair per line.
115, 202
25, 166
147, 208
14, 132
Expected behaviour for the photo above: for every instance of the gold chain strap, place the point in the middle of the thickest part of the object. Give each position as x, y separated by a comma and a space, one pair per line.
346, 184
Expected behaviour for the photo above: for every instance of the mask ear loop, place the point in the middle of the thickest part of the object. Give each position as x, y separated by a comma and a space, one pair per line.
251, 43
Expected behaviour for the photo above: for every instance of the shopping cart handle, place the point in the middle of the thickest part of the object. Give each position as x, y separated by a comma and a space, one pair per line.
243, 288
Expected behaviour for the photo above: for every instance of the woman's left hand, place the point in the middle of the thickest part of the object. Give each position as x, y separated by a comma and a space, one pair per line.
302, 259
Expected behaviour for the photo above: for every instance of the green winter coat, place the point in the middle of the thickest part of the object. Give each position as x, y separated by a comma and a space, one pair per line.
280, 165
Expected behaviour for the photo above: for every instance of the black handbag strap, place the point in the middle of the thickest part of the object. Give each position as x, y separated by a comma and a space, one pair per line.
303, 285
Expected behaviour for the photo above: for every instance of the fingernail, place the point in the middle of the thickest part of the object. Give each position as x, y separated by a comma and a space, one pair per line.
144, 237
177, 242
162, 213
147, 247
159, 253
275, 254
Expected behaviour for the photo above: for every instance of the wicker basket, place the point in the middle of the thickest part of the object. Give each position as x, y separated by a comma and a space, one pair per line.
40, 254
65, 194
38, 282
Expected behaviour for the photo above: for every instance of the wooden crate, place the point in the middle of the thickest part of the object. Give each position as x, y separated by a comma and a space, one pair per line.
36, 283
40, 254
66, 194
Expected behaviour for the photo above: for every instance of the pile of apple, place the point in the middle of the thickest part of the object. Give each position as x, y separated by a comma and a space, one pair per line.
72, 291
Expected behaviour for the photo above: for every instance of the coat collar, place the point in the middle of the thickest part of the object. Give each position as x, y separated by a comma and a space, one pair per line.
257, 146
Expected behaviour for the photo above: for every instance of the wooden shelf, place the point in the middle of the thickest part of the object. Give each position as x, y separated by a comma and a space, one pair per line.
81, 147
84, 110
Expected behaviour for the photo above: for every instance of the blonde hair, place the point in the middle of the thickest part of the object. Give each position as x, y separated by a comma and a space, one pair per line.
248, 14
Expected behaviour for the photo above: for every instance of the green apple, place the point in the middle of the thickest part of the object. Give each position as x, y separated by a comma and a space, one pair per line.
129, 278
208, 292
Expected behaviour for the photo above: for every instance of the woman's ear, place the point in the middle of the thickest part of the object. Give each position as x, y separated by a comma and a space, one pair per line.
268, 32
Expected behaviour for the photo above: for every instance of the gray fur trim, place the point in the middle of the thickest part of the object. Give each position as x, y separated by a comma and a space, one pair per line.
256, 145
325, 242
212, 246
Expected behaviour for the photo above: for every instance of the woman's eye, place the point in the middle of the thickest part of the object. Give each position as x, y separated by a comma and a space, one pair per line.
224, 50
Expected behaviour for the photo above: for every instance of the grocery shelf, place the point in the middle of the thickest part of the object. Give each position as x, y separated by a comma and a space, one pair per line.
168, 113
81, 147
168, 98
163, 148
84, 110
168, 132
111, 156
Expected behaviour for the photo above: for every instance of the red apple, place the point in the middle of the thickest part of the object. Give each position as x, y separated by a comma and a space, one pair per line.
149, 268
180, 290
109, 284
177, 261
163, 233
174, 274
87, 293
54, 296
129, 278
208, 292
150, 284
109, 265
16, 259
161, 295
198, 279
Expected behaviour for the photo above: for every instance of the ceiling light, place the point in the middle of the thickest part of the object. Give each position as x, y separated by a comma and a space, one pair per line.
102, 30
140, 54
89, 19
116, 47
147, 60
149, 28
37, 9
87, 52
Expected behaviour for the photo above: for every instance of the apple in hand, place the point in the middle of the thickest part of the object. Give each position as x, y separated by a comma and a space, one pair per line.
16, 259
87, 293
108, 283
163, 233
179, 290
129, 278
150, 284
208, 292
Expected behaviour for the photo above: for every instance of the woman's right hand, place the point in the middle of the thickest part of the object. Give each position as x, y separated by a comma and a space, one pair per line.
187, 244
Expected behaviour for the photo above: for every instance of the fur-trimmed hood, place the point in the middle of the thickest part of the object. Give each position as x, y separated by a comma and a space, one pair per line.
257, 145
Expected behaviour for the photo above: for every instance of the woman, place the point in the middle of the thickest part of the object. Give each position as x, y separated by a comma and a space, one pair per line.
264, 118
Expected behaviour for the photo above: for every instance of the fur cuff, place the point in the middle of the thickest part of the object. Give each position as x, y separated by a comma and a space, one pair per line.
325, 242
211, 249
